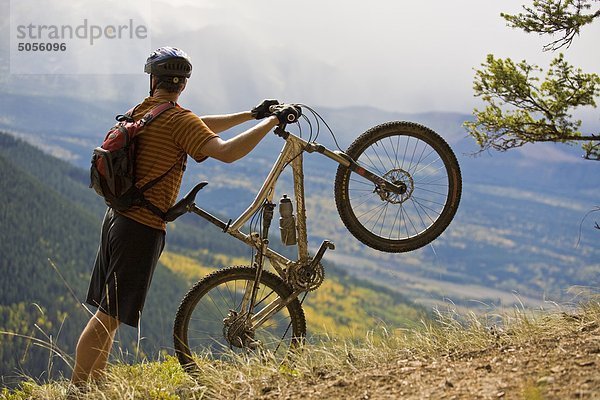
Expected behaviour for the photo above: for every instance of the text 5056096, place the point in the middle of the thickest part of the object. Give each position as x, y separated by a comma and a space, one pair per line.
35, 46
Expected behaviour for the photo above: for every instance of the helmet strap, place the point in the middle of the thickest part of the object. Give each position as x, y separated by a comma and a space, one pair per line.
153, 88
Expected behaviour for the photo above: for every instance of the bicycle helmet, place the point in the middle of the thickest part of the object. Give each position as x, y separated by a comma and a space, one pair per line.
168, 61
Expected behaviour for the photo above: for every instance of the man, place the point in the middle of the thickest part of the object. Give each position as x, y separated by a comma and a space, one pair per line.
132, 241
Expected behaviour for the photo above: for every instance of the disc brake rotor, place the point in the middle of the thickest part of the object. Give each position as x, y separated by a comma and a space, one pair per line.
400, 178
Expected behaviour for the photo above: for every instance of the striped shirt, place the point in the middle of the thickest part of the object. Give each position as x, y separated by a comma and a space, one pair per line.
165, 143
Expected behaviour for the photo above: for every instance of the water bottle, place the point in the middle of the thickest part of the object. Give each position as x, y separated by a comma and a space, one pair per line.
287, 221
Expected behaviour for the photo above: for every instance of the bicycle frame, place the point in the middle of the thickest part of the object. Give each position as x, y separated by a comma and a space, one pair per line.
291, 154
406, 204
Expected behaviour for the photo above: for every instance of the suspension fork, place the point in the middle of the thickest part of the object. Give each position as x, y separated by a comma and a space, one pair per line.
250, 292
268, 208
345, 160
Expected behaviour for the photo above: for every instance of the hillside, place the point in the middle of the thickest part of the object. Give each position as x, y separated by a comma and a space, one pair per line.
518, 355
48, 241
50, 223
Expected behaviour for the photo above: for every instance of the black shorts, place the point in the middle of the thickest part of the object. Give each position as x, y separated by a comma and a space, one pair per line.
126, 259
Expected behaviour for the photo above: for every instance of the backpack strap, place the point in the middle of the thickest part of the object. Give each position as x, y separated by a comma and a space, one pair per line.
149, 117
147, 203
144, 121
128, 116
157, 179
155, 112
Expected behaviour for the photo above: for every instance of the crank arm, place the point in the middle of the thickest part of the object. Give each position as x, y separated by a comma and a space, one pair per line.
256, 320
326, 245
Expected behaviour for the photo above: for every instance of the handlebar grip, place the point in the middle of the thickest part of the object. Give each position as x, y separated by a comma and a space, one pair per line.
290, 117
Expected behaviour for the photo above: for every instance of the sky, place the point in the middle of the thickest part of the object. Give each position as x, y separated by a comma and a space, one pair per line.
397, 55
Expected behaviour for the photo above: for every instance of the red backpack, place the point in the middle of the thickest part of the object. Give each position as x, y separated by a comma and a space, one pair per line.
112, 172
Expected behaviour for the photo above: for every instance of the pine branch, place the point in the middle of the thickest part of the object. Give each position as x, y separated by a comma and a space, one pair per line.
550, 17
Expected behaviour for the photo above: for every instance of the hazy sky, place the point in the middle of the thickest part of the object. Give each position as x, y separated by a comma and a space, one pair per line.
398, 54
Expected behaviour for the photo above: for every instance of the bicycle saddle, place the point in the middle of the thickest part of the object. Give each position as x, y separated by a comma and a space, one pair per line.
185, 204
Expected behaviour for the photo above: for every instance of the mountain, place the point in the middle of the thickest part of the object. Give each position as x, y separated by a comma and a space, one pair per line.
50, 226
522, 231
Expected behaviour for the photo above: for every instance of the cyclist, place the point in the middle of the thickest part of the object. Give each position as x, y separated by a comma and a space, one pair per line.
132, 241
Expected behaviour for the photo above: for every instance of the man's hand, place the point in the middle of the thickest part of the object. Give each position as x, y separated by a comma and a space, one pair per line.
262, 110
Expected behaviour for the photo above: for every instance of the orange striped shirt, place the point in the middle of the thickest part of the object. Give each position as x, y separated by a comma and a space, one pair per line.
164, 143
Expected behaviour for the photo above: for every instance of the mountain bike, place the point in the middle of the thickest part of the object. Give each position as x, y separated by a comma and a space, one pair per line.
397, 188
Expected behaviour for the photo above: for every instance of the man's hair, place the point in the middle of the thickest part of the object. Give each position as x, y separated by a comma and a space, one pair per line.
166, 83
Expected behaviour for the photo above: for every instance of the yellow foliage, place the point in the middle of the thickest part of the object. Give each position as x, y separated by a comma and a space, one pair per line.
187, 267
337, 308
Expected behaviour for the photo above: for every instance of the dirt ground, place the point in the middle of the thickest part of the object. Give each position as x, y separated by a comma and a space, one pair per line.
561, 365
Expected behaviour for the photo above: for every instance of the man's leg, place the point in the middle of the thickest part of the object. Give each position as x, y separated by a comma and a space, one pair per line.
100, 364
93, 347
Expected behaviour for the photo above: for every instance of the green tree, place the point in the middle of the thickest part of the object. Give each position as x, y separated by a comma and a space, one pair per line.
523, 105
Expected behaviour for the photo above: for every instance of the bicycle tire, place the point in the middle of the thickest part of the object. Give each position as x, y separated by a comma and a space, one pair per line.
421, 161
192, 336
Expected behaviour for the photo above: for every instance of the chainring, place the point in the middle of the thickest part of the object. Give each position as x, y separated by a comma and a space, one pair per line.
301, 277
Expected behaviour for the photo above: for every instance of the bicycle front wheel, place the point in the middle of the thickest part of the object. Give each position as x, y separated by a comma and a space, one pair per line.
419, 161
210, 321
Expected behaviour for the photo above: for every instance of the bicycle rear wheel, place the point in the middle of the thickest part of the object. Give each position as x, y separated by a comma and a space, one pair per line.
210, 323
413, 157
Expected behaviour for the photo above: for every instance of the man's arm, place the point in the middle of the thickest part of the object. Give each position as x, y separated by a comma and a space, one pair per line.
238, 146
220, 123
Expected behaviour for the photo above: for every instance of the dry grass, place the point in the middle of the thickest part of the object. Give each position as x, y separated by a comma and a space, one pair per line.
451, 335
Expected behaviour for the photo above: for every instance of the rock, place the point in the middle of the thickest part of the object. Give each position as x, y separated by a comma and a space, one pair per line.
586, 363
545, 380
